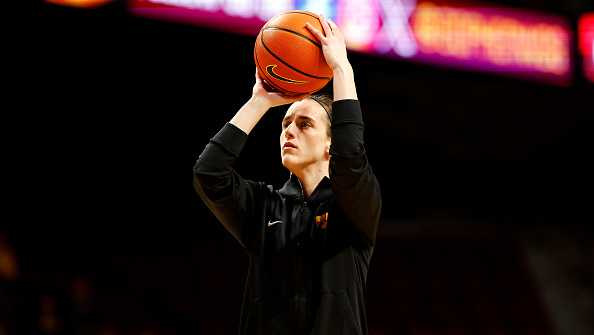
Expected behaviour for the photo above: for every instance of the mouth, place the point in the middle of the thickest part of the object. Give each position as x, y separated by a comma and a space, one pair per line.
289, 145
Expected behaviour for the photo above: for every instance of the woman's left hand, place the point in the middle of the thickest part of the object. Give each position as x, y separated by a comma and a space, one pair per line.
333, 43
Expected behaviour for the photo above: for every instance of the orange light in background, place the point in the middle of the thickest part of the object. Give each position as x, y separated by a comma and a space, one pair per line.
465, 33
48, 321
8, 260
80, 3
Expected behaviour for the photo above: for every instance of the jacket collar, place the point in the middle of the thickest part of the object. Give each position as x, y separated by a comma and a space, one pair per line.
292, 188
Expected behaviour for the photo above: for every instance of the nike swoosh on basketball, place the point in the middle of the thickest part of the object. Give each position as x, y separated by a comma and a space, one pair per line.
271, 223
270, 71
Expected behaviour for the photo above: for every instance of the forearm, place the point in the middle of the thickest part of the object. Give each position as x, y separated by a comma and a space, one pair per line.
353, 180
344, 83
215, 181
249, 114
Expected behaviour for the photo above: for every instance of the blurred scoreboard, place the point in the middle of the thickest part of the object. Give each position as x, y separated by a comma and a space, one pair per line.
465, 35
586, 44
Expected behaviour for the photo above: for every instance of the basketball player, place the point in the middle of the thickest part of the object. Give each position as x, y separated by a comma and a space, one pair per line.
311, 241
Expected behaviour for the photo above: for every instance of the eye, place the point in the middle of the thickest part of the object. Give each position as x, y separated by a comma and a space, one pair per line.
305, 124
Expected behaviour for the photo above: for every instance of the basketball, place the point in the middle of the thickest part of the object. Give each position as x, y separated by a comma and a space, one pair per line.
288, 57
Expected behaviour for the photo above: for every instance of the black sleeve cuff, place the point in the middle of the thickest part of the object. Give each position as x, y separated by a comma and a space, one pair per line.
231, 138
346, 111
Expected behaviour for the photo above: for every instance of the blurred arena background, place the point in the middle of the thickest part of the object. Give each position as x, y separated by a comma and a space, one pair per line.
480, 129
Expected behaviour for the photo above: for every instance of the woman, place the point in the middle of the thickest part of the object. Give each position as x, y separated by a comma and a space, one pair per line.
311, 241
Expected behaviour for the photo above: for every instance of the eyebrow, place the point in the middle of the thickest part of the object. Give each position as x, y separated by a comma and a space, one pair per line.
299, 117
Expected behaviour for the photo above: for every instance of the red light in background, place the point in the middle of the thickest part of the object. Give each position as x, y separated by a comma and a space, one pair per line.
586, 43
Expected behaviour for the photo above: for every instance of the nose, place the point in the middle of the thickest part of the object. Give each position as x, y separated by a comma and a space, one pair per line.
289, 131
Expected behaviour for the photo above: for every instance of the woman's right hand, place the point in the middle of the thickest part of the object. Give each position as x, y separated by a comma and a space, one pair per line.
271, 99
260, 102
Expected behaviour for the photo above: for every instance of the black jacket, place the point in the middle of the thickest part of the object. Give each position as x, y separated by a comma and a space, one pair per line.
308, 257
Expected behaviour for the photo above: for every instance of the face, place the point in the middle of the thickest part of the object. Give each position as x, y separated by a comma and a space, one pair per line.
304, 138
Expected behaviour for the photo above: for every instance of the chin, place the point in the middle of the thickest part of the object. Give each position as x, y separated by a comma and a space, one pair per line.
289, 163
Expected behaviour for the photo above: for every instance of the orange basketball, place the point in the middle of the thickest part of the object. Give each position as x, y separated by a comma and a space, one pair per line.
289, 58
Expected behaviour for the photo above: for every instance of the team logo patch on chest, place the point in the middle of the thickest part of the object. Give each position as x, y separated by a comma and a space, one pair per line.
322, 220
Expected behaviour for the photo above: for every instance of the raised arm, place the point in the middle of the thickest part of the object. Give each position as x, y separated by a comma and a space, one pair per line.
260, 102
353, 181
234, 200
335, 53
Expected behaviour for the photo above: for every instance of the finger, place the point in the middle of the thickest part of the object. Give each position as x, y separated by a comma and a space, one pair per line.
293, 97
333, 26
315, 31
325, 26
282, 99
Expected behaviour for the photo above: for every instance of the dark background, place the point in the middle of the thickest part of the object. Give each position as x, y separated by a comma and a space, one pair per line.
119, 107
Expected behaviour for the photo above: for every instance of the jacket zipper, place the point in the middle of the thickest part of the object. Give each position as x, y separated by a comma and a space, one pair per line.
302, 194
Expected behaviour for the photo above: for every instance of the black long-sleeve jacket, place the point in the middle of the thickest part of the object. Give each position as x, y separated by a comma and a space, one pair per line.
308, 257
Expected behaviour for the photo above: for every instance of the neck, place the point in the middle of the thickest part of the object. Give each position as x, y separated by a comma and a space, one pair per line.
311, 176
